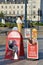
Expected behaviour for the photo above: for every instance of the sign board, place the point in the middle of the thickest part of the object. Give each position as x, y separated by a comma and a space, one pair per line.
32, 51
14, 34
27, 33
14, 44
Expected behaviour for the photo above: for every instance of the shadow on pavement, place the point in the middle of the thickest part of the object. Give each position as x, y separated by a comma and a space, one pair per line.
5, 62
40, 55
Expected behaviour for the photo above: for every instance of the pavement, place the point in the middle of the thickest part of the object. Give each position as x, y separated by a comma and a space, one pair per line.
24, 61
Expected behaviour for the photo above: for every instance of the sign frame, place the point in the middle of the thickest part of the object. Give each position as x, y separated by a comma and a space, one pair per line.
28, 51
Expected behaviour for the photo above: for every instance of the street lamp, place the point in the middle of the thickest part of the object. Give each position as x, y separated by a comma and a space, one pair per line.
39, 14
25, 13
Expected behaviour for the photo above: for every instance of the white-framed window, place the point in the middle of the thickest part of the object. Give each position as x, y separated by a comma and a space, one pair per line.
13, 12
9, 12
34, 6
1, 6
9, 6
17, 6
34, 1
34, 16
13, 6
34, 12
22, 7
17, 11
21, 11
5, 12
6, 7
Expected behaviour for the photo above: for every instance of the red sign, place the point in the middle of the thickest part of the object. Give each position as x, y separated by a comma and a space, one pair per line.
14, 44
32, 51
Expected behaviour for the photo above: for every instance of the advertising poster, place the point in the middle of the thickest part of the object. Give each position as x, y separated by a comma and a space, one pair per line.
27, 33
32, 51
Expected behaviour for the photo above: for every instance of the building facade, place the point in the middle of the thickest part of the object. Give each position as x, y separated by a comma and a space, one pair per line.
18, 8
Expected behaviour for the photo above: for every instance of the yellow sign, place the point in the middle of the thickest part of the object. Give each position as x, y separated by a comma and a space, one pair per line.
34, 33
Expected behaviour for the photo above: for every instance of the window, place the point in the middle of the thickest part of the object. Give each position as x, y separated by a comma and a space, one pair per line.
17, 6
34, 12
1, 6
17, 12
10, 12
34, 6
21, 12
34, 2
21, 6
13, 6
5, 12
34, 16
30, 6
9, 6
13, 12
5, 6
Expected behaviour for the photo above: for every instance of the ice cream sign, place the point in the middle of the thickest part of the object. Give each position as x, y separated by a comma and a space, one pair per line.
34, 33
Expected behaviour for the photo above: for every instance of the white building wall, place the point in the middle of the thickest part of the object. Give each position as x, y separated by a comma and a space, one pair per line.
20, 8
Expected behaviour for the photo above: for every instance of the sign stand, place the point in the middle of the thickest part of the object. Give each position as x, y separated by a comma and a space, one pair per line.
32, 51
32, 46
14, 46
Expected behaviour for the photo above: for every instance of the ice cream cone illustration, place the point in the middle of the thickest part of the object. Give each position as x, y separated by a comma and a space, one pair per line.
34, 33
19, 27
15, 56
19, 24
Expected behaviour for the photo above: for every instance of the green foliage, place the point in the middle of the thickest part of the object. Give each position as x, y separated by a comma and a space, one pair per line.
40, 24
1, 15
36, 23
2, 25
31, 24
8, 24
23, 25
